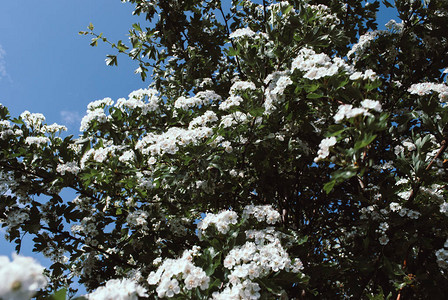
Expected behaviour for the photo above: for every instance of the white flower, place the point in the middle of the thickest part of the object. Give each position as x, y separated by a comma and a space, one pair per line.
100, 103
242, 32
221, 221
70, 167
413, 214
372, 105
53, 128
409, 145
355, 76
137, 218
32, 120
116, 289
168, 288
404, 195
230, 102
318, 65
324, 146
262, 212
427, 88
383, 240
127, 156
241, 86
394, 206
38, 140
398, 149
96, 114
442, 257
201, 98
20, 278
444, 208
383, 226
227, 146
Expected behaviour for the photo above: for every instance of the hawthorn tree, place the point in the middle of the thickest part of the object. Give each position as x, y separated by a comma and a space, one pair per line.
282, 150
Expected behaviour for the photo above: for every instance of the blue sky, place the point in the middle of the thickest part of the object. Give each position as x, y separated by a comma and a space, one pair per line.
46, 67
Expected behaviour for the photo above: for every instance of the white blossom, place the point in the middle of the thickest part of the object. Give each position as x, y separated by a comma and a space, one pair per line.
427, 88
20, 278
371, 105
39, 141
116, 289
242, 32
324, 148
70, 167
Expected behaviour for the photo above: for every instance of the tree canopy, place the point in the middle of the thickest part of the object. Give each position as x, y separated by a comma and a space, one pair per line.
283, 149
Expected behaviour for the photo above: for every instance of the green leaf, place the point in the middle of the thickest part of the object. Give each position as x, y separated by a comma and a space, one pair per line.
314, 96
303, 239
137, 27
329, 186
287, 10
257, 111
365, 141
59, 295
311, 88
90, 27
232, 51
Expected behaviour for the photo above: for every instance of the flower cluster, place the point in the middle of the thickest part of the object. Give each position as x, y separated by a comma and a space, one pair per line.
169, 141
201, 98
39, 141
244, 290
137, 100
427, 88
138, 218
221, 221
365, 40
347, 111
239, 86
316, 66
20, 278
276, 83
172, 271
383, 239
70, 167
232, 119
324, 14
208, 117
99, 155
442, 256
96, 114
366, 75
32, 119
242, 32
230, 102
53, 128
324, 148
262, 213
16, 217
444, 208
6, 129
394, 207
127, 156
118, 289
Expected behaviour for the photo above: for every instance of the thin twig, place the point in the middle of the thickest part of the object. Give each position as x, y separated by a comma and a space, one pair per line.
231, 41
